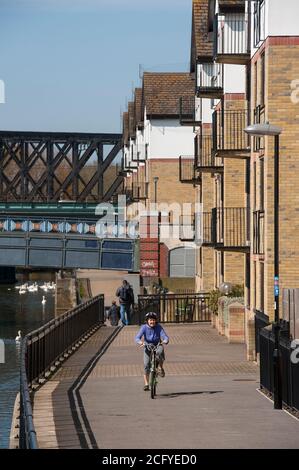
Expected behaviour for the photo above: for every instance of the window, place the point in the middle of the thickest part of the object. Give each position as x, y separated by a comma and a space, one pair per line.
263, 81
259, 22
262, 290
262, 184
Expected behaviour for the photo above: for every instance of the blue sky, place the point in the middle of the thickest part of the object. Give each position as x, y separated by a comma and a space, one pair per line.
70, 65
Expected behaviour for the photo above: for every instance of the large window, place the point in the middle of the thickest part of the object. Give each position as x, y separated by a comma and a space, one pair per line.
259, 22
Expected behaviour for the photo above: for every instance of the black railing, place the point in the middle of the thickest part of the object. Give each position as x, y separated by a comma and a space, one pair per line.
187, 228
140, 191
210, 80
228, 131
259, 118
176, 308
206, 229
261, 321
187, 171
232, 39
188, 112
44, 349
259, 233
289, 367
206, 160
229, 227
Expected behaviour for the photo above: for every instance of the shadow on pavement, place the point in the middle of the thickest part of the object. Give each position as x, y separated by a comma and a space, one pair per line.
180, 394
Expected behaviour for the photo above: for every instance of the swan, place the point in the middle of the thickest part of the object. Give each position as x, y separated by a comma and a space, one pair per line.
22, 291
44, 300
19, 337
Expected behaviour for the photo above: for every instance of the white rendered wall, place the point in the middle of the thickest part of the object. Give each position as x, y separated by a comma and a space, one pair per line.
206, 110
168, 139
234, 78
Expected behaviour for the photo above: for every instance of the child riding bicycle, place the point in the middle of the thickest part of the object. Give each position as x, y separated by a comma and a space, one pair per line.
152, 333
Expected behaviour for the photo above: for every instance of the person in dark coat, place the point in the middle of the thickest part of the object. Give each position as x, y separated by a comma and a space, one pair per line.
113, 314
125, 294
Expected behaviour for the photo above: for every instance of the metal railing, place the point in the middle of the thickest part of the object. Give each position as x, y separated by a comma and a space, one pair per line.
187, 228
140, 191
259, 233
210, 79
44, 349
228, 131
187, 172
261, 321
289, 369
176, 308
232, 37
229, 227
206, 160
205, 229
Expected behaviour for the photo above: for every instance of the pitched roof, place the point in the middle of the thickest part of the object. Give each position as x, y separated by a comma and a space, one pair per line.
161, 92
138, 106
125, 128
132, 123
202, 40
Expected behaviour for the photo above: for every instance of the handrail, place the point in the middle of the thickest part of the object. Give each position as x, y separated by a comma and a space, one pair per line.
47, 347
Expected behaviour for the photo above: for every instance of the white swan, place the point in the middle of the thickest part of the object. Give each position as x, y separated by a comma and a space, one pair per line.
44, 300
19, 337
22, 291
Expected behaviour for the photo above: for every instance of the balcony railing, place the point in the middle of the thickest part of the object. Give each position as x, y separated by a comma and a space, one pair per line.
232, 38
206, 161
187, 170
259, 118
206, 237
139, 191
210, 80
187, 228
188, 112
228, 132
229, 228
259, 233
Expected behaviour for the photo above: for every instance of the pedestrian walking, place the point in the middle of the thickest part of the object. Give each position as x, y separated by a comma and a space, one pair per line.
113, 314
125, 294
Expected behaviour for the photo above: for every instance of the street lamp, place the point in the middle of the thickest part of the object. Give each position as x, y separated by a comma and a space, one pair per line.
258, 130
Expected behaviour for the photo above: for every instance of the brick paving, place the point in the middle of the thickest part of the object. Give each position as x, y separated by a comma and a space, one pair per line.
208, 399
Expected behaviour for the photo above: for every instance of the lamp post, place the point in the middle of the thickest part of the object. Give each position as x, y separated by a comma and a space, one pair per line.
258, 130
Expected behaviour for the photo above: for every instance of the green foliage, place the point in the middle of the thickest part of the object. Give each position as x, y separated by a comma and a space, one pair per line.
215, 295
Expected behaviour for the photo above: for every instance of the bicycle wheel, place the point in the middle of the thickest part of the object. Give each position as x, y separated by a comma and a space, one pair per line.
152, 383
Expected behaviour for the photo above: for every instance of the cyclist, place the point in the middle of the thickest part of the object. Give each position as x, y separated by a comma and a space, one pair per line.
152, 333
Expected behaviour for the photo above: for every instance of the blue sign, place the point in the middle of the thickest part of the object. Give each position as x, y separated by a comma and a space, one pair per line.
276, 286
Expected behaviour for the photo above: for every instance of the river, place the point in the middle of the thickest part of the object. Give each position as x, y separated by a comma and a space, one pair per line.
17, 312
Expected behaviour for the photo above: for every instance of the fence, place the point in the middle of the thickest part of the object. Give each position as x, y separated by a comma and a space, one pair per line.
46, 348
176, 308
228, 130
289, 369
187, 169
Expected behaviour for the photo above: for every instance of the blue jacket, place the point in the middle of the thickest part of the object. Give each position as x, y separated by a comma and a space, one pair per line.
152, 335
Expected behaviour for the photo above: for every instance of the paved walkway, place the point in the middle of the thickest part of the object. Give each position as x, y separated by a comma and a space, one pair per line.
208, 399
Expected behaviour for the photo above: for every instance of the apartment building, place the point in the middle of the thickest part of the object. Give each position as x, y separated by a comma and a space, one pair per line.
244, 55
154, 140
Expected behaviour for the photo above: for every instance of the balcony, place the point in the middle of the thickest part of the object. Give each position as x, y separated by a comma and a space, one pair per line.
188, 112
259, 233
206, 229
206, 161
139, 191
187, 228
210, 80
187, 170
229, 138
232, 38
230, 229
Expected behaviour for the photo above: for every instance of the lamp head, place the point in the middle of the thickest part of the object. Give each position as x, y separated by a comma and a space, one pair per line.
266, 129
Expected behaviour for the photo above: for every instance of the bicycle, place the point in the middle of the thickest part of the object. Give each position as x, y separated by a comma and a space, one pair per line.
153, 368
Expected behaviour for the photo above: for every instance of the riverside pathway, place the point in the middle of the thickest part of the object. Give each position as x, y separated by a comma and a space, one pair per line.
207, 400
